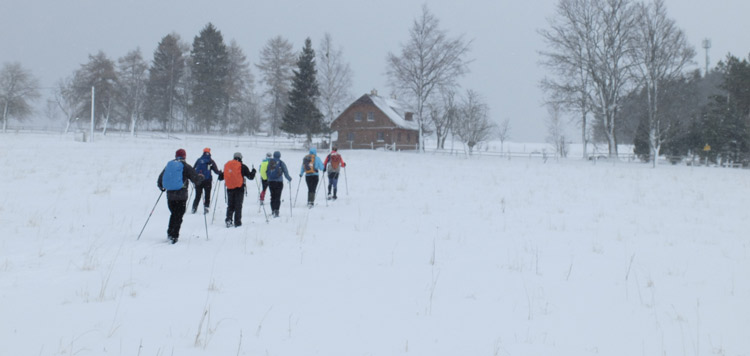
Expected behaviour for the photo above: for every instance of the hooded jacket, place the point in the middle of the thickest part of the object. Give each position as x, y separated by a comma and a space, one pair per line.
277, 155
318, 164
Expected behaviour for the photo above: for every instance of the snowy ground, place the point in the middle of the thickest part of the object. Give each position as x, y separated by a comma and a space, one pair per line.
424, 255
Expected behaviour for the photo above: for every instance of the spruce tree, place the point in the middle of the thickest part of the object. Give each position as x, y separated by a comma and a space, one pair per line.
166, 71
209, 68
302, 115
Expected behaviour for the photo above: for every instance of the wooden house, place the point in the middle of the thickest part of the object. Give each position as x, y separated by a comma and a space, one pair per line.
373, 122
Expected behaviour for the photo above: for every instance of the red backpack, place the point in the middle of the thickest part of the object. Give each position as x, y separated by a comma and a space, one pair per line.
335, 161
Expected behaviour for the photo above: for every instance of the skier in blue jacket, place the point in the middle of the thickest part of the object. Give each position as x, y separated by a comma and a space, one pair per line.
204, 165
311, 165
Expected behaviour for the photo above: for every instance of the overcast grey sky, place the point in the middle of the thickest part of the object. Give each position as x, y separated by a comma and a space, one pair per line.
52, 38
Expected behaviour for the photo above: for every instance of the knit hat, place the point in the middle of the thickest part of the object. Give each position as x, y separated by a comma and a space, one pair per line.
237, 155
180, 154
268, 154
206, 150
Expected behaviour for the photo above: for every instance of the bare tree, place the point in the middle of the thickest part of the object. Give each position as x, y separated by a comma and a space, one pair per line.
589, 44
67, 101
277, 60
442, 112
473, 125
132, 73
503, 132
429, 61
334, 78
556, 130
660, 53
17, 88
569, 88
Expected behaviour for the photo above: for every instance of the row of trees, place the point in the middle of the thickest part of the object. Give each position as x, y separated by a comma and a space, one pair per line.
208, 86
624, 63
601, 49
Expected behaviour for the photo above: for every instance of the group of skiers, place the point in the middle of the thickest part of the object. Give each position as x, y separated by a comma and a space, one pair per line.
176, 175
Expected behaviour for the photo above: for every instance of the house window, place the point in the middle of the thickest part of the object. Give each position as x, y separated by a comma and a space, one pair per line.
350, 136
358, 117
408, 138
370, 116
399, 137
381, 136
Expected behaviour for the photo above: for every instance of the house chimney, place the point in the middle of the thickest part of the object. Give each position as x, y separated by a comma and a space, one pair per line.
374, 92
409, 116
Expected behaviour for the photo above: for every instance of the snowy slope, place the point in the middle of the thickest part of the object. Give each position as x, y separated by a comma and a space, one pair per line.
425, 255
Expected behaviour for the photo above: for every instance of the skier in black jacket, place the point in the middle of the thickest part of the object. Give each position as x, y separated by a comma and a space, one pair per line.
174, 179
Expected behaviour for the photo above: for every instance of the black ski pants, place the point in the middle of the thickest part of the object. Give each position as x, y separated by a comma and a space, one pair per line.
177, 208
200, 189
312, 184
276, 188
234, 205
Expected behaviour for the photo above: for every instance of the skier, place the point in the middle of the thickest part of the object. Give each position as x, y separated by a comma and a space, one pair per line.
276, 171
264, 177
333, 164
174, 179
234, 175
204, 165
311, 165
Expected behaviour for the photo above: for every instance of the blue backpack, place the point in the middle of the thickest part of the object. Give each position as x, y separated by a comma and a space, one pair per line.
172, 178
202, 167
273, 170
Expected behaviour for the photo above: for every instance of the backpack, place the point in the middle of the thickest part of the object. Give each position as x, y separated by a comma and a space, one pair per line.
202, 167
309, 163
335, 161
273, 170
172, 178
233, 174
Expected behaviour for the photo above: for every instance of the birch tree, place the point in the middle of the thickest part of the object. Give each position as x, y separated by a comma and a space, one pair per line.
589, 48
430, 60
132, 74
334, 79
660, 53
277, 60
18, 87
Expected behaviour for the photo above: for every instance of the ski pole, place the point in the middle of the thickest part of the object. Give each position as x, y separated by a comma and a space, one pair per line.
290, 198
324, 189
346, 182
216, 203
149, 215
296, 195
205, 223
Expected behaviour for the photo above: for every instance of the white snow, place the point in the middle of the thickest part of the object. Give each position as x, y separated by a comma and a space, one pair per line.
423, 254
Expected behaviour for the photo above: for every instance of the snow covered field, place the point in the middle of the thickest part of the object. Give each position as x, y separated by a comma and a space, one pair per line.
425, 255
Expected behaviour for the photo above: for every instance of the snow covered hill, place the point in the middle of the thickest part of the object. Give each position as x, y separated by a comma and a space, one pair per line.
423, 254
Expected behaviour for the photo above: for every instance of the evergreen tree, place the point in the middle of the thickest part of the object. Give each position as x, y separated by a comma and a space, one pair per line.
302, 115
209, 67
165, 73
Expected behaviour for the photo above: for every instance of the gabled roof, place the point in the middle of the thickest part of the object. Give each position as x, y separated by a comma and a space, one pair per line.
394, 109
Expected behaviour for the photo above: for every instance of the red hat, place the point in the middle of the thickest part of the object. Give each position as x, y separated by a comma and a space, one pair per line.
206, 150
180, 154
